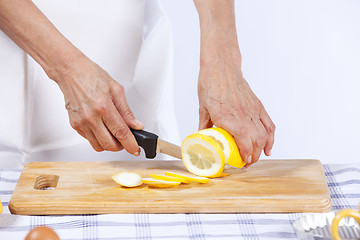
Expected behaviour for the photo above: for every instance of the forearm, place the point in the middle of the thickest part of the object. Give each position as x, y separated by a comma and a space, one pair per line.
218, 30
225, 98
25, 24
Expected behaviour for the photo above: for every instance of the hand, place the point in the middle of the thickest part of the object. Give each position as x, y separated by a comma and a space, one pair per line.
95, 102
97, 107
226, 100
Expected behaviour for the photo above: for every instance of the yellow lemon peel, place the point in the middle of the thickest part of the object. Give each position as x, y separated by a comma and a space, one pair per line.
157, 183
228, 145
188, 177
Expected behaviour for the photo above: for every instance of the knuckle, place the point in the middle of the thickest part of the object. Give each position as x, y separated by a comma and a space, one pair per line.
262, 139
246, 150
86, 118
122, 132
241, 132
119, 89
100, 107
127, 113
272, 128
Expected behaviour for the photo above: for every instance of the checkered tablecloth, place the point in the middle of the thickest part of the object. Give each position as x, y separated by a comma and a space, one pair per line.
343, 182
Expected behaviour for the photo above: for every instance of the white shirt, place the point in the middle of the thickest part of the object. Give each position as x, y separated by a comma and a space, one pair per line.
130, 39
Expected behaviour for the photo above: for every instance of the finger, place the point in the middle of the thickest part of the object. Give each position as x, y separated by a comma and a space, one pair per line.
245, 146
105, 138
204, 119
241, 133
117, 126
260, 138
124, 109
92, 140
270, 128
247, 165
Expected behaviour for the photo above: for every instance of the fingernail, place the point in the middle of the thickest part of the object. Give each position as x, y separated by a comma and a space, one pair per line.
137, 153
139, 123
269, 153
248, 160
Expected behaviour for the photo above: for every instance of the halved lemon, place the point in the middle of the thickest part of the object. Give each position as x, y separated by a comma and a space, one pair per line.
188, 177
227, 144
169, 178
153, 182
202, 155
127, 179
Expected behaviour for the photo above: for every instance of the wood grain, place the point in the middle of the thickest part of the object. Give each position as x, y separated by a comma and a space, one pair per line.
87, 188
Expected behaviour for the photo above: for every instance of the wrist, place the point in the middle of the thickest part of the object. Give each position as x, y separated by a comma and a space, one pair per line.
229, 54
218, 42
64, 63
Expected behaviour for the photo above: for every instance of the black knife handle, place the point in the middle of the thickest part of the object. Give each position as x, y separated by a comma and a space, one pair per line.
147, 141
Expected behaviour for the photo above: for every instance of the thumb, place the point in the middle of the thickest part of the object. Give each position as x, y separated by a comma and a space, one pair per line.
204, 119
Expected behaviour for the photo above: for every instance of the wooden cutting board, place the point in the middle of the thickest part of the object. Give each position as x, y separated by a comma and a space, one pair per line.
87, 188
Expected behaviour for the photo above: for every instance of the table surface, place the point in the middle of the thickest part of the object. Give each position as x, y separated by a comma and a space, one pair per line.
343, 182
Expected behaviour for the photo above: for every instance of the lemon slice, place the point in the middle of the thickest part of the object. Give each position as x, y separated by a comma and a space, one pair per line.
188, 177
202, 155
169, 178
227, 144
223, 175
153, 182
1, 207
127, 179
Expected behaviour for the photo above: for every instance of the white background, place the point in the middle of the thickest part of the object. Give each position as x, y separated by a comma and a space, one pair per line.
301, 58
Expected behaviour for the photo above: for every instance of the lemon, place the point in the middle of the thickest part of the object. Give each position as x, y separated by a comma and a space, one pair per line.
223, 174
153, 182
1, 207
127, 179
227, 144
202, 155
188, 177
169, 178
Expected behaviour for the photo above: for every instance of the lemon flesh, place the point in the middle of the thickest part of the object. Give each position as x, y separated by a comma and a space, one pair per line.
202, 155
127, 179
228, 145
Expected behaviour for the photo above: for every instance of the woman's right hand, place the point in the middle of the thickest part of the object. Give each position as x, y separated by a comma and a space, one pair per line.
95, 102
97, 107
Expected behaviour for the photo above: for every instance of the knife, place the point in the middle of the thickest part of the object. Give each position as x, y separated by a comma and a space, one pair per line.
152, 144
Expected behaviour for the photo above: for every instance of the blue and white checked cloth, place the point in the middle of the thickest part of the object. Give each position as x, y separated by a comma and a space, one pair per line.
343, 182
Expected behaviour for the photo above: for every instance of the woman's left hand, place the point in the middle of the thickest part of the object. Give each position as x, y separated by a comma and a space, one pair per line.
226, 100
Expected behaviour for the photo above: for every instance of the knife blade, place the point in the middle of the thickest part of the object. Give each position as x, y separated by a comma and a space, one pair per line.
152, 144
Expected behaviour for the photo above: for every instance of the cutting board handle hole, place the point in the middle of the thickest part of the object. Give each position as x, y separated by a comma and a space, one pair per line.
46, 182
